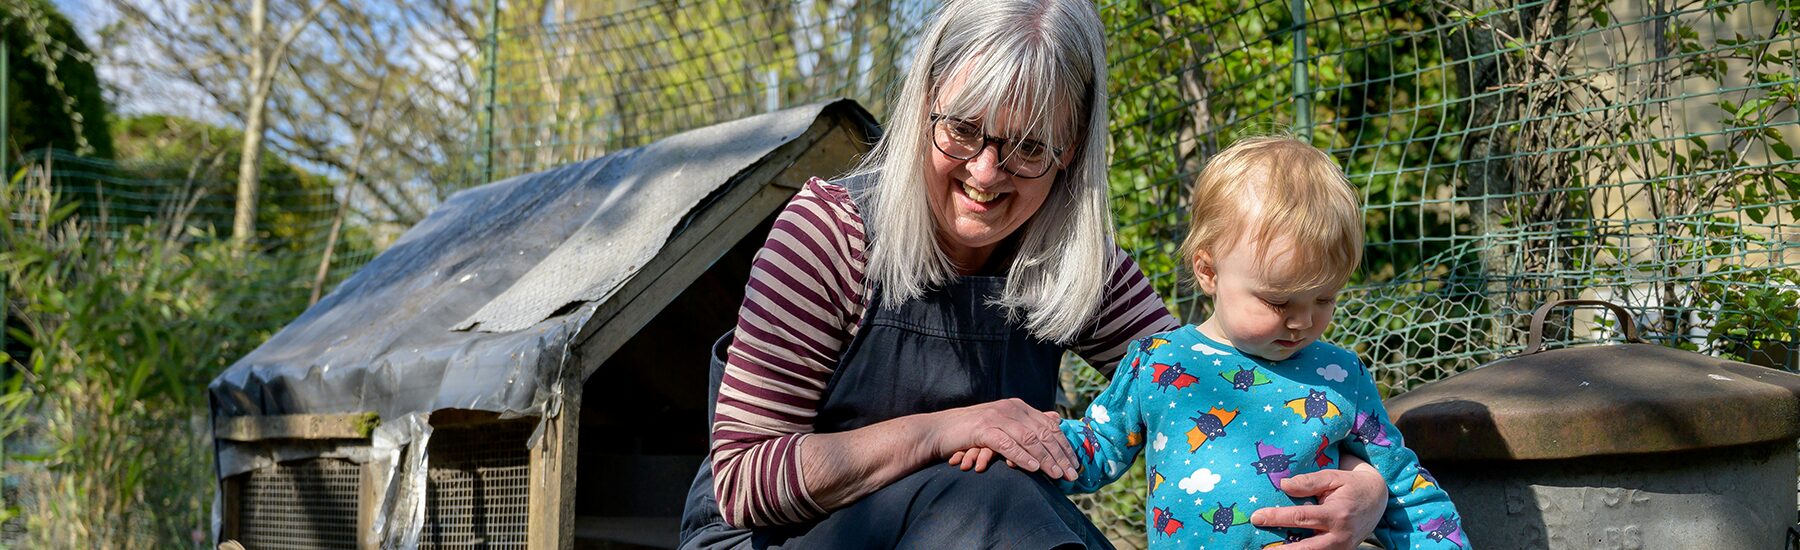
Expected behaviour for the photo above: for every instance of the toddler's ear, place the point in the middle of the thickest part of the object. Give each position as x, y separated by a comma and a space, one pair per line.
1203, 272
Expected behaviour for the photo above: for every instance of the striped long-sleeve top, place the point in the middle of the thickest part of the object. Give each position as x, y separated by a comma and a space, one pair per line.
801, 307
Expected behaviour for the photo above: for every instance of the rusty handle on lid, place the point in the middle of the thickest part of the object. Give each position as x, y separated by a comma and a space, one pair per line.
1534, 341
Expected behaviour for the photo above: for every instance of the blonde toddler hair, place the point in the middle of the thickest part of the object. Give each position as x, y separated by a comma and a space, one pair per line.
1272, 189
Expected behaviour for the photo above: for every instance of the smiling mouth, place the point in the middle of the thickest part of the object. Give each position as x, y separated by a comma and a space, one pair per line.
978, 196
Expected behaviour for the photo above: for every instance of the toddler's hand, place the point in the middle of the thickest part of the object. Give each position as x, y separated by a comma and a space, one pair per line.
979, 458
976, 459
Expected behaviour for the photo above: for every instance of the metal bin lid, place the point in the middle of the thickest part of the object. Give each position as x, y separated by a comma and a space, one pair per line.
1597, 400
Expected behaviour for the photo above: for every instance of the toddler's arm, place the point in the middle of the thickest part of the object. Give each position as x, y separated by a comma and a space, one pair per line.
1419, 513
1111, 434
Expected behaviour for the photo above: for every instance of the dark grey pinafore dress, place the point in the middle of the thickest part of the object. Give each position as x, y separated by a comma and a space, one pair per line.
949, 348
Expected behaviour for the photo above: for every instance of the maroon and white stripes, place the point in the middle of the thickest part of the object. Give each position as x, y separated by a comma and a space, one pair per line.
800, 309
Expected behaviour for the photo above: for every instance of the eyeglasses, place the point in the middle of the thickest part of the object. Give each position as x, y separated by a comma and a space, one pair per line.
962, 139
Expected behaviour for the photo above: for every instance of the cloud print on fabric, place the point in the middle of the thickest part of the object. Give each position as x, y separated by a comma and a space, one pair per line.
1202, 481
1208, 350
1333, 372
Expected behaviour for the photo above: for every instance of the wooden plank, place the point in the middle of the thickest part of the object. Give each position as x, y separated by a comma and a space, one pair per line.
368, 494
551, 503
708, 238
464, 418
232, 491
296, 426
657, 292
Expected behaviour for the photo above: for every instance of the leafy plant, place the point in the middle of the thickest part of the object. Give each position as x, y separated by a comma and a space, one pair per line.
103, 418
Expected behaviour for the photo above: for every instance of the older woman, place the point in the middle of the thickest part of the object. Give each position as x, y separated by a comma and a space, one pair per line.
921, 307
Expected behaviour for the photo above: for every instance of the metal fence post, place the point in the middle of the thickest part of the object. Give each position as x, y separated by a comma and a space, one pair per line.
5, 109
1302, 88
5, 172
493, 59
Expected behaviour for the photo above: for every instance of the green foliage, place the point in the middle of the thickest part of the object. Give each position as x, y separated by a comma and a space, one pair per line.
1721, 193
1180, 94
1507, 152
53, 95
188, 157
1750, 311
576, 80
1756, 318
104, 416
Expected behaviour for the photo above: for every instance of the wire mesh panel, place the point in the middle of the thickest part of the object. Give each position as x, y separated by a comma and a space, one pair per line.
577, 80
295, 216
1508, 152
478, 489
302, 505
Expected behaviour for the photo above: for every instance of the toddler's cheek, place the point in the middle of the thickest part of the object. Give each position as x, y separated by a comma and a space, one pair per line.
1261, 329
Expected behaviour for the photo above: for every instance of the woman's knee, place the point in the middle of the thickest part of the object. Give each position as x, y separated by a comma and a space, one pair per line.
944, 484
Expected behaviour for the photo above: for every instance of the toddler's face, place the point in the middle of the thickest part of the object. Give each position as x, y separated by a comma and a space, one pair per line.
1249, 314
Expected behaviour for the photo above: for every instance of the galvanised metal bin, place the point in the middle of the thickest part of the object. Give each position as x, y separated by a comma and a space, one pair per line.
1620, 446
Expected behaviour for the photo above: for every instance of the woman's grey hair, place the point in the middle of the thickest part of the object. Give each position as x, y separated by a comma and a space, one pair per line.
1043, 63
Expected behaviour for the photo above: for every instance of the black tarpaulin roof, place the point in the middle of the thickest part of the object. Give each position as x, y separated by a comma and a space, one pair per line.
476, 307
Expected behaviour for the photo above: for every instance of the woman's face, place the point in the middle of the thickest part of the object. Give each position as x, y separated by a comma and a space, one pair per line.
975, 202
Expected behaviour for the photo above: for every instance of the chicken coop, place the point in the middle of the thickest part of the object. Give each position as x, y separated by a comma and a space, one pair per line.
525, 368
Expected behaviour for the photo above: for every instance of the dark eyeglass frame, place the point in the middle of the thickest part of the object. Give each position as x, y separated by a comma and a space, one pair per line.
1000, 145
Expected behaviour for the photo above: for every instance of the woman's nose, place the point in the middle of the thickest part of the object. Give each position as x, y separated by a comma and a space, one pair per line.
985, 167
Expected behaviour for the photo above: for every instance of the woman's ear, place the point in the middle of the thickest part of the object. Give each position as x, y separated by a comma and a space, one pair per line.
1204, 275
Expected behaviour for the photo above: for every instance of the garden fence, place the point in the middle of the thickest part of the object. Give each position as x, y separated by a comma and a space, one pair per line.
1508, 152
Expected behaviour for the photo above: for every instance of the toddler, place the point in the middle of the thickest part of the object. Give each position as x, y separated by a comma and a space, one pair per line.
1231, 407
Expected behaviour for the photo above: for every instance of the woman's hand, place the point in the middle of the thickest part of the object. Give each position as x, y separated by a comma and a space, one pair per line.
841, 467
979, 458
1027, 438
1351, 502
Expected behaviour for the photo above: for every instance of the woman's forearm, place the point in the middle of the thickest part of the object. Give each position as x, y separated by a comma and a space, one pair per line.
839, 468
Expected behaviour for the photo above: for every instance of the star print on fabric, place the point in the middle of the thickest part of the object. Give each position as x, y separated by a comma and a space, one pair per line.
1318, 368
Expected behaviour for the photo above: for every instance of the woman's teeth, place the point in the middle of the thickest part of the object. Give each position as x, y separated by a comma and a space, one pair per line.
979, 196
